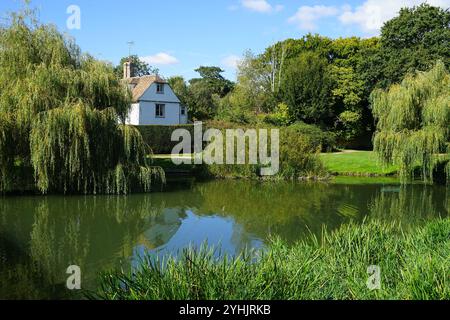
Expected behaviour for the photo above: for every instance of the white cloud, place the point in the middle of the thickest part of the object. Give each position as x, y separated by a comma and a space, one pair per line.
307, 16
161, 58
372, 14
278, 8
233, 7
261, 6
231, 61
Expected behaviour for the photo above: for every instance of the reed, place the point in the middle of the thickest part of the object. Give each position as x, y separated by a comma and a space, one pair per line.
414, 265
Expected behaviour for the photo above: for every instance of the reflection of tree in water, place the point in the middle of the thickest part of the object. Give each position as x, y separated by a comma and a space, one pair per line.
41, 236
85, 231
410, 204
294, 210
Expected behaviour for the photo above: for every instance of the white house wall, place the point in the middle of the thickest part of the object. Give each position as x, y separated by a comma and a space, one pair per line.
147, 115
144, 112
133, 115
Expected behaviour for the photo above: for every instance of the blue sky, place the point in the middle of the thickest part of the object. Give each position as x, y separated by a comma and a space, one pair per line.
177, 36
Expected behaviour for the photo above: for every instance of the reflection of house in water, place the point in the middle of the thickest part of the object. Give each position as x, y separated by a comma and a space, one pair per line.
162, 228
177, 228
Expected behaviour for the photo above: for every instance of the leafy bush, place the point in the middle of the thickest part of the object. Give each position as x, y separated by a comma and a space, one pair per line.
158, 138
324, 140
299, 155
280, 117
298, 158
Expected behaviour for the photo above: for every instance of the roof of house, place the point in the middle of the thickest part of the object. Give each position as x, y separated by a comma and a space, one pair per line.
141, 84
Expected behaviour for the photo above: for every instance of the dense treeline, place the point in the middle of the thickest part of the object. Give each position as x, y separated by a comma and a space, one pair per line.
59, 112
321, 81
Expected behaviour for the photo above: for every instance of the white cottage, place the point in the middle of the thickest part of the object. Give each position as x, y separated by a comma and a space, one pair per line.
154, 102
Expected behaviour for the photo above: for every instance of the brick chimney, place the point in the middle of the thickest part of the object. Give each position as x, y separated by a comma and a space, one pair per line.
127, 70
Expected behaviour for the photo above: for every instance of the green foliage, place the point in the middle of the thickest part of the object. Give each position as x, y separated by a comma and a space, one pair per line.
414, 267
349, 125
306, 89
158, 138
179, 87
414, 122
59, 113
280, 117
414, 41
318, 139
299, 157
204, 93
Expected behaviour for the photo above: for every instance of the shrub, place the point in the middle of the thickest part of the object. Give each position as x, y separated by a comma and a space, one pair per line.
280, 117
298, 158
158, 138
324, 140
299, 155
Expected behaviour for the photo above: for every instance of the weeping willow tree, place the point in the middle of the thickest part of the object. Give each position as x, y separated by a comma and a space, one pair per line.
414, 123
60, 113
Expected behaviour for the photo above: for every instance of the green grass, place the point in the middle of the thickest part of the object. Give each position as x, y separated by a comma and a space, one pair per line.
414, 265
348, 163
356, 163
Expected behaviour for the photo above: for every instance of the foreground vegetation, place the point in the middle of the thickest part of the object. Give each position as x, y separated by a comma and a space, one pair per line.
414, 265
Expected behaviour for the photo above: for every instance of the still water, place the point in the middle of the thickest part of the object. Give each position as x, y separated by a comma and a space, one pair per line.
41, 236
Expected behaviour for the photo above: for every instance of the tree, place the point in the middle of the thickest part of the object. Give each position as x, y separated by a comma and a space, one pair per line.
414, 41
351, 88
179, 86
212, 78
414, 122
306, 89
139, 67
204, 93
254, 84
59, 114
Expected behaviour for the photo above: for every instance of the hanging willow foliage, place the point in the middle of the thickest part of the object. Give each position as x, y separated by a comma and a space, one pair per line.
60, 112
414, 122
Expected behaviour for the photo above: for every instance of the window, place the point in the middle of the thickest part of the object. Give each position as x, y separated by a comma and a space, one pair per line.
160, 88
160, 110
183, 110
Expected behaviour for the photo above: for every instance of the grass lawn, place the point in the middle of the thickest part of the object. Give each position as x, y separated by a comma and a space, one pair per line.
351, 162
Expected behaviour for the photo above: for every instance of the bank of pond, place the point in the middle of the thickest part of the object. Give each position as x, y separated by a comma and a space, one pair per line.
269, 229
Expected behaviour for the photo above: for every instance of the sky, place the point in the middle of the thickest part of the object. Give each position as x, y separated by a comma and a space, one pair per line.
178, 36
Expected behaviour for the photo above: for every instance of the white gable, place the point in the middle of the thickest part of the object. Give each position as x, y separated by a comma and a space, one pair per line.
151, 94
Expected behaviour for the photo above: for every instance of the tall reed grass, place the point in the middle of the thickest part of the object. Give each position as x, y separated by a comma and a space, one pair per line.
414, 265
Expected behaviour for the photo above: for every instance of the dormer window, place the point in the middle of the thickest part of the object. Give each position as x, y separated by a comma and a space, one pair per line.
160, 88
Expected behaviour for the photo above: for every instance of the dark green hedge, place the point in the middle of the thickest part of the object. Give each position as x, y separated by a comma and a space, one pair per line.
159, 137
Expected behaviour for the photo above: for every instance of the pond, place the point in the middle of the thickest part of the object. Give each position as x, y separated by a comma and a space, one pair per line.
41, 236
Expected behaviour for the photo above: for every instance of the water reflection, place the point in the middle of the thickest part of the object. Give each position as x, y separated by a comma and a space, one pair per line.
41, 236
